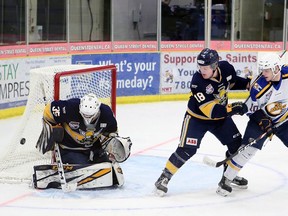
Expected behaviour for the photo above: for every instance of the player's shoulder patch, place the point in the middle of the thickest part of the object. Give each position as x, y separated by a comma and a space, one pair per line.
259, 84
256, 87
194, 86
228, 78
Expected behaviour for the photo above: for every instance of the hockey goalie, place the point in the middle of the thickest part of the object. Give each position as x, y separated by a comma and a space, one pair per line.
83, 135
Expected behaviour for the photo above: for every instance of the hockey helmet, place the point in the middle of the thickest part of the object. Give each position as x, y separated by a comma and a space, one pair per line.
270, 61
208, 57
89, 107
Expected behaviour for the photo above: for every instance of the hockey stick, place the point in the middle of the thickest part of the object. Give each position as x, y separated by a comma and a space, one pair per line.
66, 187
282, 54
208, 161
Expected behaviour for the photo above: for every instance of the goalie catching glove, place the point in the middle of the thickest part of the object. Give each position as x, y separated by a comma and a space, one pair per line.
49, 135
238, 108
119, 148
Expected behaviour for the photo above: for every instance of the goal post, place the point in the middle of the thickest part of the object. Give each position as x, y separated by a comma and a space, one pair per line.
60, 82
113, 84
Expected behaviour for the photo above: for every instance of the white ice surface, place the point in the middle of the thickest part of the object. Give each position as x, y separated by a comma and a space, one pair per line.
154, 129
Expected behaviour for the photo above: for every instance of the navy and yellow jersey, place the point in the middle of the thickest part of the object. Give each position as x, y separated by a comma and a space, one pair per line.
77, 135
209, 96
271, 97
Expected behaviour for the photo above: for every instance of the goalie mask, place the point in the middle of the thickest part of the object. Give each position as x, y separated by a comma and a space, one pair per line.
118, 147
89, 108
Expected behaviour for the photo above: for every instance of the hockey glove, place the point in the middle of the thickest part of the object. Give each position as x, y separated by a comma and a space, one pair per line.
58, 133
238, 108
49, 135
266, 125
264, 122
119, 148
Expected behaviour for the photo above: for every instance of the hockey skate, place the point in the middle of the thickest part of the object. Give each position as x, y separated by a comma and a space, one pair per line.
239, 182
224, 188
161, 185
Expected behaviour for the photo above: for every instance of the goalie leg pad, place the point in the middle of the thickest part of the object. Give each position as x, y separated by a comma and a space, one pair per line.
86, 176
118, 174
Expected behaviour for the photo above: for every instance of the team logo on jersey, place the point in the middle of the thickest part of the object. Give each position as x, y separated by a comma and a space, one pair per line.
56, 111
275, 109
191, 141
221, 96
209, 89
89, 137
74, 125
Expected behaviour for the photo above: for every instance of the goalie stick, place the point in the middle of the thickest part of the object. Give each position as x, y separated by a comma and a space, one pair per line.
210, 162
66, 187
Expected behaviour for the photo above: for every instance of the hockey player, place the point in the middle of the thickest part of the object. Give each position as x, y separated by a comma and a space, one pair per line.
207, 112
268, 105
85, 131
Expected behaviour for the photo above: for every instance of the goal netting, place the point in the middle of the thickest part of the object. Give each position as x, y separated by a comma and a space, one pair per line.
48, 84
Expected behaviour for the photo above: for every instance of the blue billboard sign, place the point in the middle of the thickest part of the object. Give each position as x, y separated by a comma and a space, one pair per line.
137, 73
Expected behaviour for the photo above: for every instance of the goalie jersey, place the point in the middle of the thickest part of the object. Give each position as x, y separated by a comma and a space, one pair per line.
270, 97
78, 136
209, 96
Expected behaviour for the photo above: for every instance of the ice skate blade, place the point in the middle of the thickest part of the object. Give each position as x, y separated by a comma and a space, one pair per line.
222, 192
158, 192
242, 187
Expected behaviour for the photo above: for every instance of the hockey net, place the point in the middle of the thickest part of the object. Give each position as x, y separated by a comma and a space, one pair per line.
17, 159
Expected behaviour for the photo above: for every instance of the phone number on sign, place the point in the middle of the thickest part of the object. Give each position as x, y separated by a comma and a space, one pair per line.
183, 84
